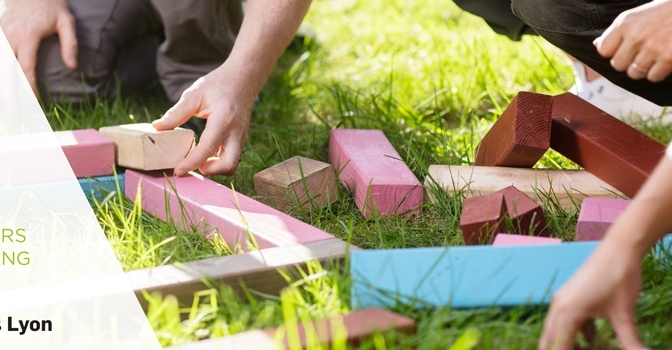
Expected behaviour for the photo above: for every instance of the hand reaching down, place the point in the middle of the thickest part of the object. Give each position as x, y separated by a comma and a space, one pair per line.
26, 22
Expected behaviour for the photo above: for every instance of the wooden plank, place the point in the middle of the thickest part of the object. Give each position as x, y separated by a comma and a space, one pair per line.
521, 135
605, 146
567, 187
464, 277
258, 270
374, 172
140, 146
197, 202
89, 152
596, 216
482, 217
297, 181
526, 215
98, 186
350, 329
503, 239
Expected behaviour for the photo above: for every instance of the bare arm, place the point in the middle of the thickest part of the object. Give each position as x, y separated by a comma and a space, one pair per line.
226, 95
608, 284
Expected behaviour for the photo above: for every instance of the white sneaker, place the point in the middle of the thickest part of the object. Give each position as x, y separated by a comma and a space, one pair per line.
617, 101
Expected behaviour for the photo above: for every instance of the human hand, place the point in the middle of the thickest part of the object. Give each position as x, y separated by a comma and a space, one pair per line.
227, 108
639, 41
26, 22
606, 286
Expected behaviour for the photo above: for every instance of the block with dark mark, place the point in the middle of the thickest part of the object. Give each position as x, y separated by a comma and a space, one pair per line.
521, 135
611, 150
482, 217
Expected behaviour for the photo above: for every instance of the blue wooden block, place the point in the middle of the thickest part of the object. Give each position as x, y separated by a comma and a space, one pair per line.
99, 187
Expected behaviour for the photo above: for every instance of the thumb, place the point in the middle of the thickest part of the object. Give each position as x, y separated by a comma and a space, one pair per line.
67, 36
626, 331
177, 115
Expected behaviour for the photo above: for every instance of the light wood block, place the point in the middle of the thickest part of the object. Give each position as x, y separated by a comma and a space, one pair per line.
350, 329
526, 215
372, 170
567, 187
521, 135
610, 149
503, 239
482, 217
89, 152
464, 277
197, 202
257, 270
139, 146
303, 181
596, 216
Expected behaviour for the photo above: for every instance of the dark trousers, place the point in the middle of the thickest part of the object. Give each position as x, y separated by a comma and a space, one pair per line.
571, 25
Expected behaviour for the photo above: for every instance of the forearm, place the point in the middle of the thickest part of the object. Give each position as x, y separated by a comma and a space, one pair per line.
267, 29
648, 218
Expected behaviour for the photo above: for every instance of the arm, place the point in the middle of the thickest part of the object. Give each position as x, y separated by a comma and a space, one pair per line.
608, 284
639, 41
27, 22
226, 95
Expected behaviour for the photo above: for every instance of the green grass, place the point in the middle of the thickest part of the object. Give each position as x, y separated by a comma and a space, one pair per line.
433, 78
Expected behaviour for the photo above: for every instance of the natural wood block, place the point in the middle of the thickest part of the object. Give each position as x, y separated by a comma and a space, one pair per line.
297, 180
464, 277
197, 202
596, 216
258, 270
350, 329
521, 135
482, 217
567, 187
613, 151
89, 152
504, 239
374, 172
140, 146
526, 215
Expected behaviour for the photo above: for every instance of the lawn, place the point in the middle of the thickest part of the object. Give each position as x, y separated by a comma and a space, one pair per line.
433, 78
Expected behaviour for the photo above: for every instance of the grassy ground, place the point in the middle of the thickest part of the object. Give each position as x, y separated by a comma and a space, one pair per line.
433, 79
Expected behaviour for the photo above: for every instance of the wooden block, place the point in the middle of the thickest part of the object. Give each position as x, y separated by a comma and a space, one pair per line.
508, 239
97, 186
89, 152
596, 216
309, 184
605, 146
482, 217
521, 135
139, 146
205, 205
374, 172
257, 270
350, 329
567, 187
526, 215
464, 277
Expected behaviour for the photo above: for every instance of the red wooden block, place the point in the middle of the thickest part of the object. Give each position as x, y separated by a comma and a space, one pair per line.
89, 152
613, 151
373, 170
521, 135
482, 217
503, 239
351, 328
596, 216
211, 207
525, 214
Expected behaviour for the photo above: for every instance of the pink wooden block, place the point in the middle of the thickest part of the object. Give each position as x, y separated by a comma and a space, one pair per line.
211, 207
509, 239
596, 216
89, 152
373, 170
